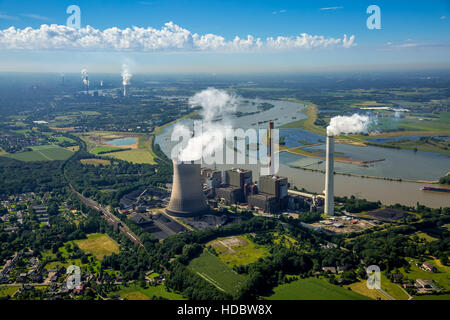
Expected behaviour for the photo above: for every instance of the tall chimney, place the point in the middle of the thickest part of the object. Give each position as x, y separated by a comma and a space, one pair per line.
270, 148
187, 198
329, 177
124, 90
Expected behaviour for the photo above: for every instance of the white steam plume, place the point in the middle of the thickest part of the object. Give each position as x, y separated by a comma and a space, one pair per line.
126, 75
348, 124
84, 77
215, 104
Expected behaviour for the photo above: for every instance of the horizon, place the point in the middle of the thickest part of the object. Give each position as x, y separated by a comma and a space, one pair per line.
217, 37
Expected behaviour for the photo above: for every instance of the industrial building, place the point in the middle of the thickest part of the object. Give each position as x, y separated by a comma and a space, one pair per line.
272, 195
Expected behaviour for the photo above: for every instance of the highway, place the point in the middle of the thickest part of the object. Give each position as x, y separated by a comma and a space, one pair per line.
110, 217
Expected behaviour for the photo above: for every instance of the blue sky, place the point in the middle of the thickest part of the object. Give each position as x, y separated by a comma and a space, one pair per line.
414, 34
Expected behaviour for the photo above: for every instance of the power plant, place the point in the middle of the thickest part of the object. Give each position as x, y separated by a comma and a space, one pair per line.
187, 198
329, 177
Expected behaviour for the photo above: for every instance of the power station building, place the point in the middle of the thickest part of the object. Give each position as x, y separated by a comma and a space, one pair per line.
272, 194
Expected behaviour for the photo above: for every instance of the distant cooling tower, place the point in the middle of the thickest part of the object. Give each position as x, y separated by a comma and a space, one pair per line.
329, 177
187, 197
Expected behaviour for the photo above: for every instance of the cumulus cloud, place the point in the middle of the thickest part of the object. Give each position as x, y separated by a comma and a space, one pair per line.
170, 37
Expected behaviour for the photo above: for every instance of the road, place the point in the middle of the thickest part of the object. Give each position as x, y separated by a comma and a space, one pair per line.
109, 216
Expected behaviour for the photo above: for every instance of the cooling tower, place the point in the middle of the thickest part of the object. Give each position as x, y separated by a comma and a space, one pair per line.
329, 177
187, 197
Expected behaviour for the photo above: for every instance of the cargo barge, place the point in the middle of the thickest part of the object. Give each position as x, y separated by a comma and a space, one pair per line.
438, 189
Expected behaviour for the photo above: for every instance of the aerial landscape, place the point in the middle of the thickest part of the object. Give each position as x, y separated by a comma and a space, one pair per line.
139, 163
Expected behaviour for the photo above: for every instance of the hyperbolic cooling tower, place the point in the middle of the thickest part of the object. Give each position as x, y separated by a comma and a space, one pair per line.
329, 177
187, 197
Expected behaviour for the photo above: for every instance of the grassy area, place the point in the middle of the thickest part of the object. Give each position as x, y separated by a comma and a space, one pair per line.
104, 149
426, 237
285, 240
313, 289
96, 162
8, 290
238, 250
99, 245
213, 270
441, 277
361, 288
133, 156
136, 292
43, 153
393, 289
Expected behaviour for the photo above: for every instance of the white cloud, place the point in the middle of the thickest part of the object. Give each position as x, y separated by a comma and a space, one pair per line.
169, 38
34, 16
331, 8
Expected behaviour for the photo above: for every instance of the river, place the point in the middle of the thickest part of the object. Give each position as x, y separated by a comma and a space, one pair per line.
398, 164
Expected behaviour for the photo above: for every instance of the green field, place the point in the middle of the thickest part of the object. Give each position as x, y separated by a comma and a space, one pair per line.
99, 245
442, 277
136, 292
8, 290
313, 289
43, 153
104, 149
213, 270
241, 251
133, 156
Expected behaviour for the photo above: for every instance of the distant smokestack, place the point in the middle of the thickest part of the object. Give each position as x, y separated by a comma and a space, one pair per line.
329, 177
124, 90
187, 198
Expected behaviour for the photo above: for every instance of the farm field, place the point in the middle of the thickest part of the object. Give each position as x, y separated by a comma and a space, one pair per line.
136, 292
43, 153
104, 149
313, 289
213, 270
238, 250
99, 245
133, 156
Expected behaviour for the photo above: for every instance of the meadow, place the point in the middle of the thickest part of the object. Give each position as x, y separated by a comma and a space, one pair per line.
213, 270
313, 289
98, 244
43, 153
135, 292
238, 250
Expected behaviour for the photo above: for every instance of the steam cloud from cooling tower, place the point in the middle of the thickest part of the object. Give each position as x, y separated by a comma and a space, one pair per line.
216, 104
85, 78
126, 78
348, 124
